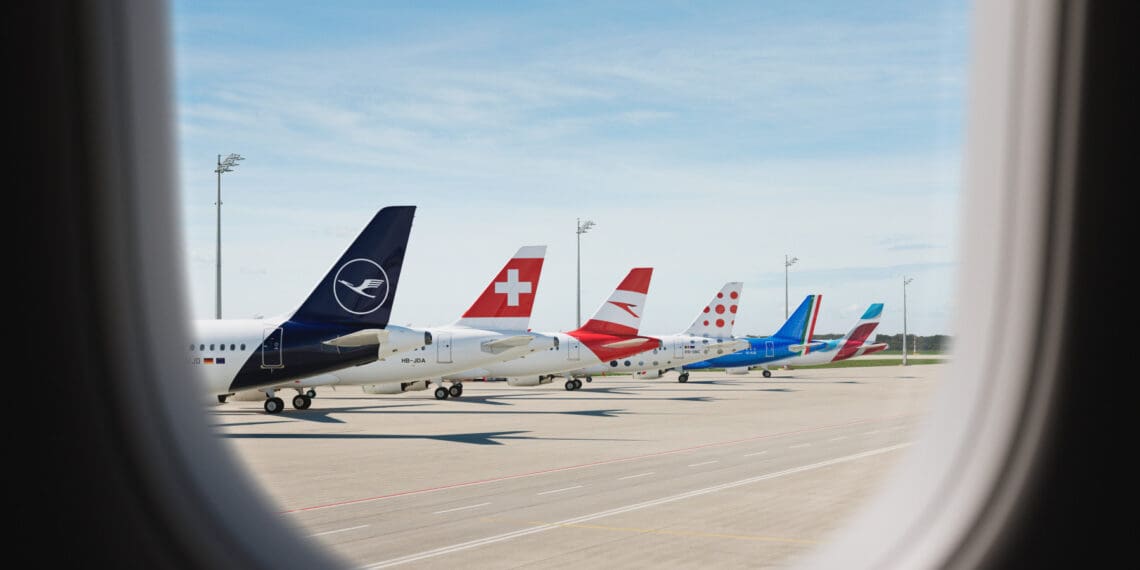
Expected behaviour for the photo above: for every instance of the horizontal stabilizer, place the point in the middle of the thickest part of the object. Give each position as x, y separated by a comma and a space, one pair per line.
807, 345
625, 343
504, 344
360, 338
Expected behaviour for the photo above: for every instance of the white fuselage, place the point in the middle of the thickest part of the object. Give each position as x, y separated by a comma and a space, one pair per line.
221, 347
453, 350
569, 354
679, 349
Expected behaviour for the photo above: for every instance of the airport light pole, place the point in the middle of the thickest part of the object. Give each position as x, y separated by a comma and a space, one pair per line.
583, 227
906, 281
226, 165
787, 263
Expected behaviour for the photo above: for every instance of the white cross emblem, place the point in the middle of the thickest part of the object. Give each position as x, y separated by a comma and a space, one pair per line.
512, 287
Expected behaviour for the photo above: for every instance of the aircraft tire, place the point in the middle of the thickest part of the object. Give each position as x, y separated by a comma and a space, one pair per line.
767, 373
456, 390
222, 398
311, 393
274, 405
684, 377
302, 402
589, 378
570, 385
441, 393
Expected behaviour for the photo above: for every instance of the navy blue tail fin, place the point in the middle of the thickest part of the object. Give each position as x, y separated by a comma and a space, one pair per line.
801, 324
359, 289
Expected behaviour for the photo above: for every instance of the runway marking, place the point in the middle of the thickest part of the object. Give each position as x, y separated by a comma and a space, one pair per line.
634, 476
461, 508
756, 453
840, 438
688, 533
705, 463
339, 530
621, 510
799, 445
872, 432
584, 465
560, 490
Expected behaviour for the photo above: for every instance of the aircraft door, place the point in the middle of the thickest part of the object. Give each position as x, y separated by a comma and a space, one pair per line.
573, 349
443, 348
769, 348
678, 349
272, 346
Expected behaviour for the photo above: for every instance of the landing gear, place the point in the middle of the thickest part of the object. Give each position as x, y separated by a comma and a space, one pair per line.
573, 384
301, 402
311, 393
589, 378
684, 377
767, 374
456, 390
222, 398
274, 405
441, 393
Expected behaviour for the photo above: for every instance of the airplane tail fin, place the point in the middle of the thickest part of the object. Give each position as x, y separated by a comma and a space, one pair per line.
359, 289
507, 301
621, 313
859, 333
800, 326
719, 315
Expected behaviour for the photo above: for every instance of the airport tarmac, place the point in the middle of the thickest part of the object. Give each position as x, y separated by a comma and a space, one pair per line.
724, 471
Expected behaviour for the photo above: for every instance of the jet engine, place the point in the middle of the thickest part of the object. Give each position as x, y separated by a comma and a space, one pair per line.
736, 370
648, 374
530, 380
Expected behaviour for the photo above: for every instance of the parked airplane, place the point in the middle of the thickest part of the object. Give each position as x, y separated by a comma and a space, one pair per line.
493, 330
853, 344
343, 323
793, 339
610, 334
710, 335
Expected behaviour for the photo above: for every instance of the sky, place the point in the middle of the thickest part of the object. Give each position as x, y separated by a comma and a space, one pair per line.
706, 141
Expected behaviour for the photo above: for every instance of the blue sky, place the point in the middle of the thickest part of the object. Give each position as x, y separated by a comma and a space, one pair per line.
704, 141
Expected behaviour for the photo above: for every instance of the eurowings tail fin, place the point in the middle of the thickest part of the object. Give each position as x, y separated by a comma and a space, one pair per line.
719, 315
859, 333
621, 313
507, 301
359, 289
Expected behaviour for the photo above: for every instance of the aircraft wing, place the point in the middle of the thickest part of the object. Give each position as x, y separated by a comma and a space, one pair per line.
504, 344
624, 343
363, 337
805, 346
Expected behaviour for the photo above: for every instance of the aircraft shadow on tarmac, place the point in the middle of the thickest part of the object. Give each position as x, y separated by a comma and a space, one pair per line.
477, 438
322, 415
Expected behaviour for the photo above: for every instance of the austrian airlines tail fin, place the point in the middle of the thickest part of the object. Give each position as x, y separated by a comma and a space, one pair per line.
801, 324
860, 332
621, 313
359, 289
719, 315
507, 301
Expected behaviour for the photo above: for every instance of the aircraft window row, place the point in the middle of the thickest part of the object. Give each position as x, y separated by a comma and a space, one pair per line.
202, 347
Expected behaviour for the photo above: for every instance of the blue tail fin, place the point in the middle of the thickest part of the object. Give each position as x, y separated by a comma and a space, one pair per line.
801, 324
359, 289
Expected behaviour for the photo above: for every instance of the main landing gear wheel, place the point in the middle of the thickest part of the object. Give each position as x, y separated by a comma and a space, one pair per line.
573, 384
456, 390
274, 405
311, 393
222, 398
441, 393
684, 377
767, 373
302, 402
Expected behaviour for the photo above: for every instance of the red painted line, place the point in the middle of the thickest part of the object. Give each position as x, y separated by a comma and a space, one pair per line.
585, 465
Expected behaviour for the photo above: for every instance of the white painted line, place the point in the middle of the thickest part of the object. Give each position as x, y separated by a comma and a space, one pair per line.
840, 438
560, 490
620, 510
634, 476
340, 530
461, 508
799, 445
757, 453
872, 432
705, 463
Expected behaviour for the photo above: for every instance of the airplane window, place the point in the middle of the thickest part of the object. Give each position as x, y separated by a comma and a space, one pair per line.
785, 129
222, 347
201, 347
191, 348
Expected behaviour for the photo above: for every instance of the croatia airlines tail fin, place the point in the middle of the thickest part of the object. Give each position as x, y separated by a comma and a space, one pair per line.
507, 301
359, 289
801, 324
621, 313
855, 339
719, 315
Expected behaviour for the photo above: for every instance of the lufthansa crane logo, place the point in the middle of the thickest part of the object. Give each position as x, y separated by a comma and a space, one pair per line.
360, 286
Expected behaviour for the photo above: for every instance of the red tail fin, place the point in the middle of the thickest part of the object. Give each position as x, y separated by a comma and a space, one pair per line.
507, 301
621, 313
